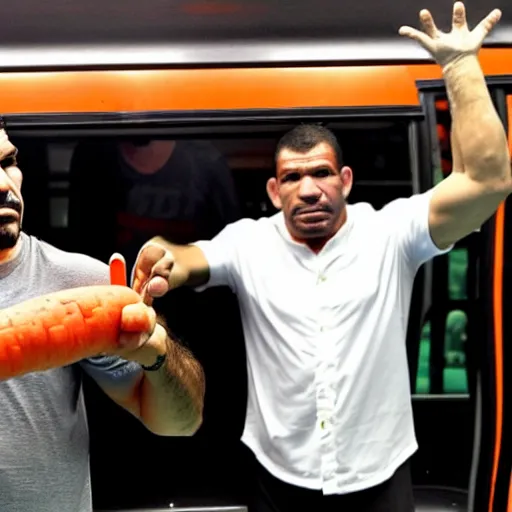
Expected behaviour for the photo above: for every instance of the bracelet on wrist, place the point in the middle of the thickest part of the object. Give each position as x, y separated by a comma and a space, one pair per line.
160, 360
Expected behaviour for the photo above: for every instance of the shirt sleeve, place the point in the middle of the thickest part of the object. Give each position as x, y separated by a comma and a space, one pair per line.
112, 373
410, 220
222, 255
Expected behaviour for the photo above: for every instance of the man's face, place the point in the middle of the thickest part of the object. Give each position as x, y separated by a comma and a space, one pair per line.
311, 191
11, 201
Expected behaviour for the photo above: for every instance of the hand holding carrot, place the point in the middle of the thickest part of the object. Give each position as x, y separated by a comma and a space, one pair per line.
64, 327
134, 343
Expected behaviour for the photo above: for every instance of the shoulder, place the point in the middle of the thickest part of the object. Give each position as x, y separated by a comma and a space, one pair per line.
72, 269
241, 234
399, 209
255, 229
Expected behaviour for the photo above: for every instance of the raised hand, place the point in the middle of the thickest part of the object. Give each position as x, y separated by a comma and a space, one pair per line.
460, 42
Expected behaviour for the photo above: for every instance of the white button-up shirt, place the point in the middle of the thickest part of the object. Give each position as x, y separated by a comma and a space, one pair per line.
329, 403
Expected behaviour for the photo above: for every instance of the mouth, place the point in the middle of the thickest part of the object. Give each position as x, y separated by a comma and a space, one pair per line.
8, 214
313, 214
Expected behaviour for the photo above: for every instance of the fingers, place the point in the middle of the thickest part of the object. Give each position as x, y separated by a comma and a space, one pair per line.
428, 24
415, 35
459, 16
163, 267
138, 318
152, 276
429, 29
157, 287
484, 28
149, 255
137, 325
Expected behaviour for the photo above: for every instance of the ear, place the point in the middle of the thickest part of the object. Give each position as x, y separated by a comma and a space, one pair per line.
273, 193
347, 180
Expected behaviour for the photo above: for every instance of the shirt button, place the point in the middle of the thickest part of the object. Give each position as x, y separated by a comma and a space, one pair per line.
321, 278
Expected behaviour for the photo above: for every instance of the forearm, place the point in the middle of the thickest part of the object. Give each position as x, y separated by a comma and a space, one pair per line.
171, 398
190, 266
477, 131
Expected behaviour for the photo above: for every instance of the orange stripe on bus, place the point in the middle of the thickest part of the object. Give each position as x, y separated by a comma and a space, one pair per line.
498, 340
224, 89
509, 503
509, 110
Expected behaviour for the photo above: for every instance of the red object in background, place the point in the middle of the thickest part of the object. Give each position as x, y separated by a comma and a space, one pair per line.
442, 105
444, 137
446, 166
212, 8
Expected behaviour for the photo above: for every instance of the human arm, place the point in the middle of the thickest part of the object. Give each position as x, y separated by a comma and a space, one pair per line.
162, 266
168, 401
481, 178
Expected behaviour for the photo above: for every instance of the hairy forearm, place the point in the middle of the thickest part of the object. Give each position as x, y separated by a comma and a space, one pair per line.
171, 398
478, 134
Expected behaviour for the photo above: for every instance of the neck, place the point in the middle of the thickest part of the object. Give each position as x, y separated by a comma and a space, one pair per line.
148, 159
7, 255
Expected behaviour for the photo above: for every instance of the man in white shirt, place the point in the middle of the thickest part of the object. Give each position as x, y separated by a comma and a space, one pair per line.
324, 289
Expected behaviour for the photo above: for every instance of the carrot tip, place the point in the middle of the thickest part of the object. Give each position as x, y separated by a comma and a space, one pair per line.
117, 265
117, 257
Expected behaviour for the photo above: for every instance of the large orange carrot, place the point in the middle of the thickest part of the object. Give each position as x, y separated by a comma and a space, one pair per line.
63, 327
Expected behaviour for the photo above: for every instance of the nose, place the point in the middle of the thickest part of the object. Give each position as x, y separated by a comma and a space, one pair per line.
309, 191
4, 181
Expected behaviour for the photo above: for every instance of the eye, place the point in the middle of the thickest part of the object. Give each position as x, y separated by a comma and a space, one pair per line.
322, 173
292, 176
8, 161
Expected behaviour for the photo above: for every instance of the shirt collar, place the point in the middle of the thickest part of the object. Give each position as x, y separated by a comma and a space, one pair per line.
337, 242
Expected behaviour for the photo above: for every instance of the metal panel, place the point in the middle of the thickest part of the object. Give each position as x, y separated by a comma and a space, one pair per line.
212, 32
183, 509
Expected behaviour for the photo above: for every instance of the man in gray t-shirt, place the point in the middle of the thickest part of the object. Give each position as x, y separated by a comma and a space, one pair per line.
44, 446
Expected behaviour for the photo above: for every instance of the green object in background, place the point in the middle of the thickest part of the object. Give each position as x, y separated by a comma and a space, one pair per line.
457, 274
455, 379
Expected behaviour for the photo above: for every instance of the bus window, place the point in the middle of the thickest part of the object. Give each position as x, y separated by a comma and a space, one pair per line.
85, 202
442, 354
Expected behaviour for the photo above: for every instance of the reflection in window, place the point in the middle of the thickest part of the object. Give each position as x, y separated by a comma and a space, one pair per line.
59, 212
455, 379
423, 375
457, 274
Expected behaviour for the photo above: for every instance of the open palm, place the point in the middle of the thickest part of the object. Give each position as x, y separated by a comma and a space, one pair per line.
449, 47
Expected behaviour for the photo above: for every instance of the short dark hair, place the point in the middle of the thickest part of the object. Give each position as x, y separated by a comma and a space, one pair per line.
305, 137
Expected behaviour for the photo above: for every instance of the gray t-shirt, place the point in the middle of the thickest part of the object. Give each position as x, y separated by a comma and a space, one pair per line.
44, 442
